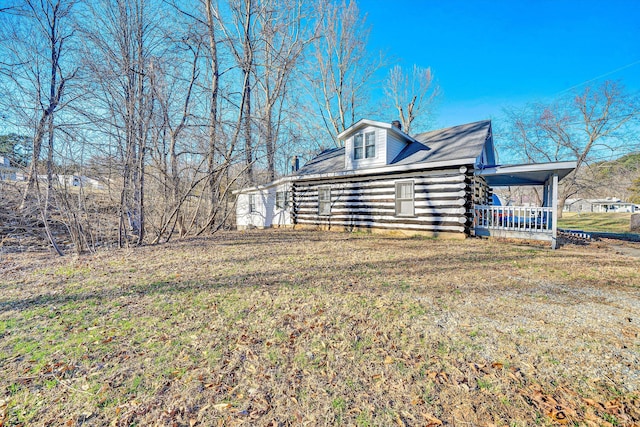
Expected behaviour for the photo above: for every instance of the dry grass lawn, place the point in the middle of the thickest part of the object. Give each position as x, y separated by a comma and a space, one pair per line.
278, 328
611, 222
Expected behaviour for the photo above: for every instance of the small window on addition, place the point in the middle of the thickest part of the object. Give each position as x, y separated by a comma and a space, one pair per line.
405, 199
252, 203
281, 199
324, 201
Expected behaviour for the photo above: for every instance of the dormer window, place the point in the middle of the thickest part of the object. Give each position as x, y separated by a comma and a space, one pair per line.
364, 145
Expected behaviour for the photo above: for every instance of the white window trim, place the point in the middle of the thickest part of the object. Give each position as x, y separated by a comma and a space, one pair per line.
412, 199
252, 204
364, 146
324, 212
370, 145
285, 201
355, 146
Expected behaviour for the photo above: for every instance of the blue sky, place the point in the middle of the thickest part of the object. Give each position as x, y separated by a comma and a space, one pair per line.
487, 55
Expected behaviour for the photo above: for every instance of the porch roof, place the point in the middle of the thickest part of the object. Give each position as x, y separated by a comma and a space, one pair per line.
527, 174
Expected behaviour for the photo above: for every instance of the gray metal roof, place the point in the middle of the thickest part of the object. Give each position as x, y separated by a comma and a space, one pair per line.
527, 174
458, 142
328, 161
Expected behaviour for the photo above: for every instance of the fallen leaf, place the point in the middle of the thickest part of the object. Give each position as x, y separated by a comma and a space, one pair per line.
558, 417
513, 377
432, 421
590, 402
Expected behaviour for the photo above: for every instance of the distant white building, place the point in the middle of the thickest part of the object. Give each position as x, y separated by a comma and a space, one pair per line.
75, 181
608, 204
80, 181
7, 172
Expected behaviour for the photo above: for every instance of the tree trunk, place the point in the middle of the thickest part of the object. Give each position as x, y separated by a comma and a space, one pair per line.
246, 119
32, 175
247, 66
213, 109
270, 145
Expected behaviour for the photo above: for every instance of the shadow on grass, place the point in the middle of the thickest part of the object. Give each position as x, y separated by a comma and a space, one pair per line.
339, 273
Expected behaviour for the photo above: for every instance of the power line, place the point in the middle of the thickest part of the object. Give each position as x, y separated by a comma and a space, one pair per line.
599, 77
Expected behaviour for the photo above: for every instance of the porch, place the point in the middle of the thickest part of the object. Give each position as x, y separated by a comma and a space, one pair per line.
522, 222
533, 223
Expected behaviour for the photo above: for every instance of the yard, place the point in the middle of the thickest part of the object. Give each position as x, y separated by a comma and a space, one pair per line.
610, 222
309, 328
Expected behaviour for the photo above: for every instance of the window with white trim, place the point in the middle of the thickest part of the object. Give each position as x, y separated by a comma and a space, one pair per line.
282, 198
324, 201
370, 145
364, 145
252, 203
405, 198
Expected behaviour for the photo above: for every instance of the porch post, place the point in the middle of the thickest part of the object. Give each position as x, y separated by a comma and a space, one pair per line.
554, 211
546, 193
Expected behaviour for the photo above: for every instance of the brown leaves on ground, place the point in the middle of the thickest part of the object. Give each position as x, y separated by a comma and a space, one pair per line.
302, 328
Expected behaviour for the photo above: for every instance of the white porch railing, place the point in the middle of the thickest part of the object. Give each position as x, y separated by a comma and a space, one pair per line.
513, 218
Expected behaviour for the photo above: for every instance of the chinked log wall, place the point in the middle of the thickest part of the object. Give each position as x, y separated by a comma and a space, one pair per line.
442, 202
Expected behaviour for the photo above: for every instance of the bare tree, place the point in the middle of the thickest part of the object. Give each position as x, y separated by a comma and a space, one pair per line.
211, 19
232, 34
176, 109
38, 72
283, 40
242, 46
206, 20
342, 67
586, 127
121, 61
174, 89
219, 154
412, 94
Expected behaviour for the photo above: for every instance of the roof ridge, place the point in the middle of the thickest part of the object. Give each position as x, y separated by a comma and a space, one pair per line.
452, 127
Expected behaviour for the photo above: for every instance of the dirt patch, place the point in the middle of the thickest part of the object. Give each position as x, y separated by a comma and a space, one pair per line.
631, 249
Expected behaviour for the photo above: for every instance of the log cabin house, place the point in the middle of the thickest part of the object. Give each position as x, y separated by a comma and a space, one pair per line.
438, 183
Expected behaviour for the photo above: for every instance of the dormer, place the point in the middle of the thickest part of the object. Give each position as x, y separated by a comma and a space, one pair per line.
370, 144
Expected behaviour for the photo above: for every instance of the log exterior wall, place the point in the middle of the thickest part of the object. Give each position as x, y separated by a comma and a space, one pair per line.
442, 201
482, 194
